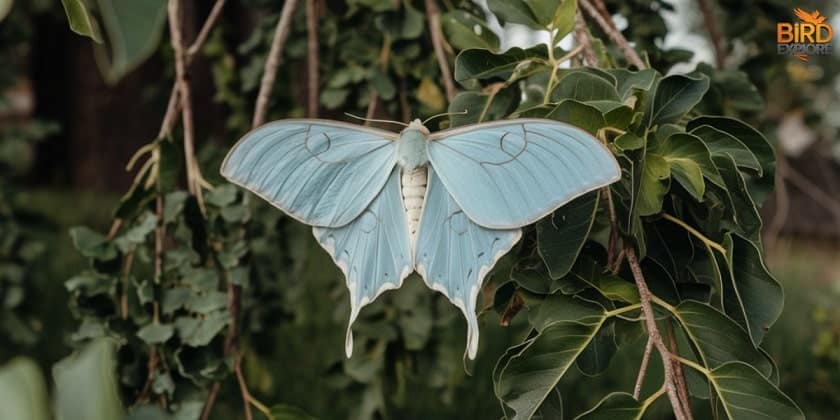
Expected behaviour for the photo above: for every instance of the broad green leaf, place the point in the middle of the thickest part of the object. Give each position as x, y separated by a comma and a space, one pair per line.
561, 236
510, 65
197, 332
744, 216
92, 244
86, 384
382, 84
588, 271
628, 142
23, 392
288, 412
578, 114
464, 30
80, 19
752, 296
737, 90
333, 98
544, 311
482, 106
584, 86
564, 19
596, 357
653, 184
552, 407
532, 275
134, 32
759, 187
690, 163
629, 80
527, 374
746, 395
407, 23
615, 406
675, 96
156, 333
718, 338
721, 143
514, 11
543, 10
616, 114
430, 95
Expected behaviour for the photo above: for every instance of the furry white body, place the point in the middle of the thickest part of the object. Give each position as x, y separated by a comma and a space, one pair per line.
413, 158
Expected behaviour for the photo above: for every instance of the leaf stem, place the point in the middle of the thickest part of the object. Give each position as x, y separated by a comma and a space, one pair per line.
718, 247
692, 364
622, 310
653, 397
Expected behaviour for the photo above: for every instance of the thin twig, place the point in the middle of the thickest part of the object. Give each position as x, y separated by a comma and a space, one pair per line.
243, 387
714, 33
183, 84
629, 53
433, 15
211, 399
679, 374
127, 263
312, 58
653, 333
582, 38
405, 107
640, 378
384, 58
602, 9
272, 63
212, 18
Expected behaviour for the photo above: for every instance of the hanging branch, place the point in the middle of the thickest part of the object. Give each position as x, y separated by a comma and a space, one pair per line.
640, 378
433, 14
714, 33
655, 336
272, 63
312, 58
582, 39
629, 53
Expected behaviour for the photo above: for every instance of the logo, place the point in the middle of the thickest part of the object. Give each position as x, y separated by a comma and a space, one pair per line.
811, 36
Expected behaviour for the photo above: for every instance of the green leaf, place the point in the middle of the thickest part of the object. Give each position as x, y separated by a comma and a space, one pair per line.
653, 185
628, 142
134, 32
81, 22
675, 96
744, 216
596, 357
399, 25
156, 333
514, 11
546, 310
578, 114
482, 106
92, 244
561, 236
288, 412
752, 296
483, 64
721, 143
564, 18
628, 81
584, 86
86, 384
333, 98
761, 186
615, 406
690, 163
616, 114
718, 338
464, 30
200, 332
528, 373
22, 391
746, 395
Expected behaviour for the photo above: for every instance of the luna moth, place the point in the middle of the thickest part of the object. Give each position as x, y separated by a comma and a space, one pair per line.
447, 204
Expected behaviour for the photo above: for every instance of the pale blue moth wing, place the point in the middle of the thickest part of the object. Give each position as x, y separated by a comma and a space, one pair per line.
453, 254
509, 174
373, 251
322, 173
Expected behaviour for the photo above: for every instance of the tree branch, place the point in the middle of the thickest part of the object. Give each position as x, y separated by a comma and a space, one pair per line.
582, 38
272, 63
629, 53
653, 333
211, 399
640, 378
679, 374
714, 33
212, 18
312, 58
433, 14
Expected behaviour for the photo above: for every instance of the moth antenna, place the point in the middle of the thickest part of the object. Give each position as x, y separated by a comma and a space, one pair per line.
375, 120
464, 112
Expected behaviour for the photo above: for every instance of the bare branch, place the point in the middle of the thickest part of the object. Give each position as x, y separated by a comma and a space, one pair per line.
640, 378
212, 18
582, 38
433, 14
211, 399
272, 63
653, 333
679, 374
312, 59
714, 33
629, 53
384, 58
802, 183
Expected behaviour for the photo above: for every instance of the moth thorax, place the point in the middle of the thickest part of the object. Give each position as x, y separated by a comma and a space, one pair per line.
413, 193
